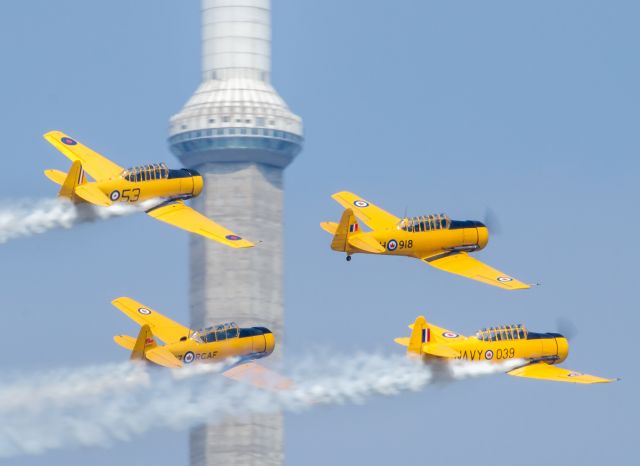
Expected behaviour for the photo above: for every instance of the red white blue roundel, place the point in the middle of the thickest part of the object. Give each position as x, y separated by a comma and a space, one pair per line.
233, 237
68, 141
360, 203
188, 357
504, 279
144, 311
450, 335
115, 195
488, 355
392, 245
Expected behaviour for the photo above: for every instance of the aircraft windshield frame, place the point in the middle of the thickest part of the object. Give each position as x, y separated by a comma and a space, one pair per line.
215, 333
155, 171
503, 332
425, 223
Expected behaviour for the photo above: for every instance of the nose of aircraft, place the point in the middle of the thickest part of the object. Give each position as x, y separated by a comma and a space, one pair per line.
483, 235
563, 348
198, 183
270, 342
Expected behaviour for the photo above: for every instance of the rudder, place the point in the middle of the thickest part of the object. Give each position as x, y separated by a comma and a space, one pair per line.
348, 225
144, 343
420, 335
74, 178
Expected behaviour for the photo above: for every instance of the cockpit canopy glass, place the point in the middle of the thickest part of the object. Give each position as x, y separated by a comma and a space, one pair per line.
156, 171
216, 333
425, 223
504, 332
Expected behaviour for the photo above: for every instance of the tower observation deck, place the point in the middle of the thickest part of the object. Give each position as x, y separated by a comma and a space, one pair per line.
240, 135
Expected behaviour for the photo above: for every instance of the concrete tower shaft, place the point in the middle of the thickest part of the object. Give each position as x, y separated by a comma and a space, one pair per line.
236, 39
240, 135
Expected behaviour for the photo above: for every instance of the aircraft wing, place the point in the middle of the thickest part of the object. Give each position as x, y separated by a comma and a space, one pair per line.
259, 376
182, 216
371, 215
96, 165
164, 328
541, 370
461, 263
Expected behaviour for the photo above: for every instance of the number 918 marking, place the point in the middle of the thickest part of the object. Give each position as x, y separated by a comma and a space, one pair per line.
399, 245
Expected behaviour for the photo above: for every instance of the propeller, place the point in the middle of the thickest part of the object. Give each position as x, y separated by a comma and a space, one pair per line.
566, 328
492, 221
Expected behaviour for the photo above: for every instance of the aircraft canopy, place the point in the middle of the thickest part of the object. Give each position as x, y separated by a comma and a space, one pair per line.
156, 171
504, 332
217, 333
425, 223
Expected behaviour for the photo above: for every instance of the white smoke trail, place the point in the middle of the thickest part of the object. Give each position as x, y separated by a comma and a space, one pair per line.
100, 405
30, 217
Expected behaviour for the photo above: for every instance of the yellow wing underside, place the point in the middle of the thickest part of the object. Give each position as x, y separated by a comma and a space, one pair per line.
463, 264
545, 371
182, 216
371, 215
258, 376
96, 165
162, 327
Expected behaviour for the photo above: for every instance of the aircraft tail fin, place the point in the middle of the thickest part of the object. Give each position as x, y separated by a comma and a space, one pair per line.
68, 181
75, 178
348, 224
347, 235
420, 334
144, 343
424, 340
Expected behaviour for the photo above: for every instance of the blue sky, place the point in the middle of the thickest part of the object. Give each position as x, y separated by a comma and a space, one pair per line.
530, 108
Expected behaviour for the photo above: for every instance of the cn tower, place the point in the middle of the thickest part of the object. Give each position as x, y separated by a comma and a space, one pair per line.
240, 135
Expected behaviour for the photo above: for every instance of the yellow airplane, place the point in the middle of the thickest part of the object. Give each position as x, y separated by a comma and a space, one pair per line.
183, 346
541, 351
435, 239
115, 184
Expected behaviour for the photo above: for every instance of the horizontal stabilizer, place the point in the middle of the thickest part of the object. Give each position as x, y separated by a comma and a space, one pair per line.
92, 194
56, 176
541, 370
404, 341
440, 350
162, 357
365, 243
125, 341
329, 227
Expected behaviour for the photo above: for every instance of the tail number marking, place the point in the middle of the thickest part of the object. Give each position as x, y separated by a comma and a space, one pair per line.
392, 244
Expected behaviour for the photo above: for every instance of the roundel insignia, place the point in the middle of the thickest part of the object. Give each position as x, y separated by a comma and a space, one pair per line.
504, 279
188, 357
144, 311
574, 374
360, 203
450, 335
233, 237
68, 141
392, 245
488, 355
115, 195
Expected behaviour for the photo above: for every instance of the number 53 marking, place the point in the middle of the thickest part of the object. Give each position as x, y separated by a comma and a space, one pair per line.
135, 194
